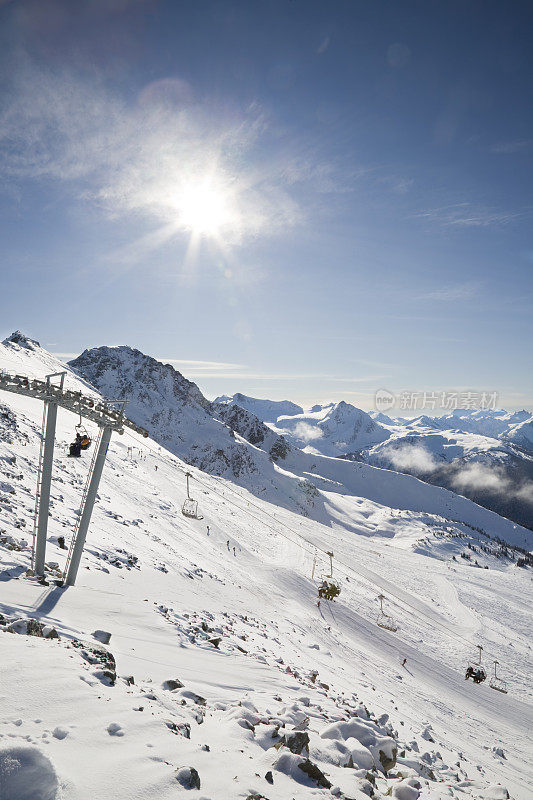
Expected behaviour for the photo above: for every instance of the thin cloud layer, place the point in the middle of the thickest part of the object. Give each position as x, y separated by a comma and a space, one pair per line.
475, 476
462, 291
467, 215
136, 158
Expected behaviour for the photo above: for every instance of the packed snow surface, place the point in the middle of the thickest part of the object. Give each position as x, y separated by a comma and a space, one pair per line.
222, 677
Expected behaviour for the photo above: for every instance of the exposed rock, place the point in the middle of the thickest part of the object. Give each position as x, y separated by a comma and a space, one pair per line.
102, 636
172, 683
17, 337
388, 761
279, 449
196, 698
34, 628
495, 792
179, 728
314, 773
296, 742
28, 627
269, 777
100, 657
188, 777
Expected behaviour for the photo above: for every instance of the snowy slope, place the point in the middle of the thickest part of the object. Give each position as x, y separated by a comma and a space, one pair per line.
166, 591
521, 434
230, 613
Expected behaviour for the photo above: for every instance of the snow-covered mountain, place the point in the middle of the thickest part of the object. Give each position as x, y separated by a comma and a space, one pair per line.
521, 434
265, 410
485, 455
227, 440
177, 414
222, 677
495, 423
332, 430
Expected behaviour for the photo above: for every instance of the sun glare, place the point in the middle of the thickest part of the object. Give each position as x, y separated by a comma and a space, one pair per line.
205, 208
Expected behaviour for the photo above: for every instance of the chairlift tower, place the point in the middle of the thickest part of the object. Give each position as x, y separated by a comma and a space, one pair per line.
44, 474
384, 620
107, 414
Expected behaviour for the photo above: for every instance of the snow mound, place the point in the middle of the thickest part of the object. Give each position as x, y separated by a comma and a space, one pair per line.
26, 774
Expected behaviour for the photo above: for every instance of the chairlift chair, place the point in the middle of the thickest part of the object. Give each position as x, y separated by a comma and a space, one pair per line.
82, 440
496, 682
328, 589
190, 506
475, 669
384, 620
85, 442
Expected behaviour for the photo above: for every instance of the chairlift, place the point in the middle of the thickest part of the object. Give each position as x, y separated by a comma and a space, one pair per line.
475, 669
81, 442
329, 589
190, 506
385, 620
85, 442
496, 682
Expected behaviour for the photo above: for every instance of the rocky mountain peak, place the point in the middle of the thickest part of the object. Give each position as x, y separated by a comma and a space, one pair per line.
17, 337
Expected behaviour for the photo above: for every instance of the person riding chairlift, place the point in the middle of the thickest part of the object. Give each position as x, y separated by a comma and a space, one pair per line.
76, 446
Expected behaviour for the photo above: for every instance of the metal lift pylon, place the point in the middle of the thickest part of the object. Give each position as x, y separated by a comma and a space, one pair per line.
80, 534
97, 410
44, 476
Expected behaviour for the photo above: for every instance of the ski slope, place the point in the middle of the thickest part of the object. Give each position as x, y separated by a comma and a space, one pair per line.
151, 578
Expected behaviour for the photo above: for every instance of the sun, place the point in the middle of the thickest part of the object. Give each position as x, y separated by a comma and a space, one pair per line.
205, 208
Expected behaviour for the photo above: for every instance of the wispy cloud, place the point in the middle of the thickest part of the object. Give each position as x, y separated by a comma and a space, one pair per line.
247, 374
516, 146
466, 215
135, 157
202, 368
323, 46
397, 184
462, 291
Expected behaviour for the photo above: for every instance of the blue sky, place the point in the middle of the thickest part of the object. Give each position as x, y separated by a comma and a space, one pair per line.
290, 198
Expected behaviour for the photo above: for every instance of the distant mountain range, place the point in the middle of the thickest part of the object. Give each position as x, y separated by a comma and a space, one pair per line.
318, 462
486, 455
